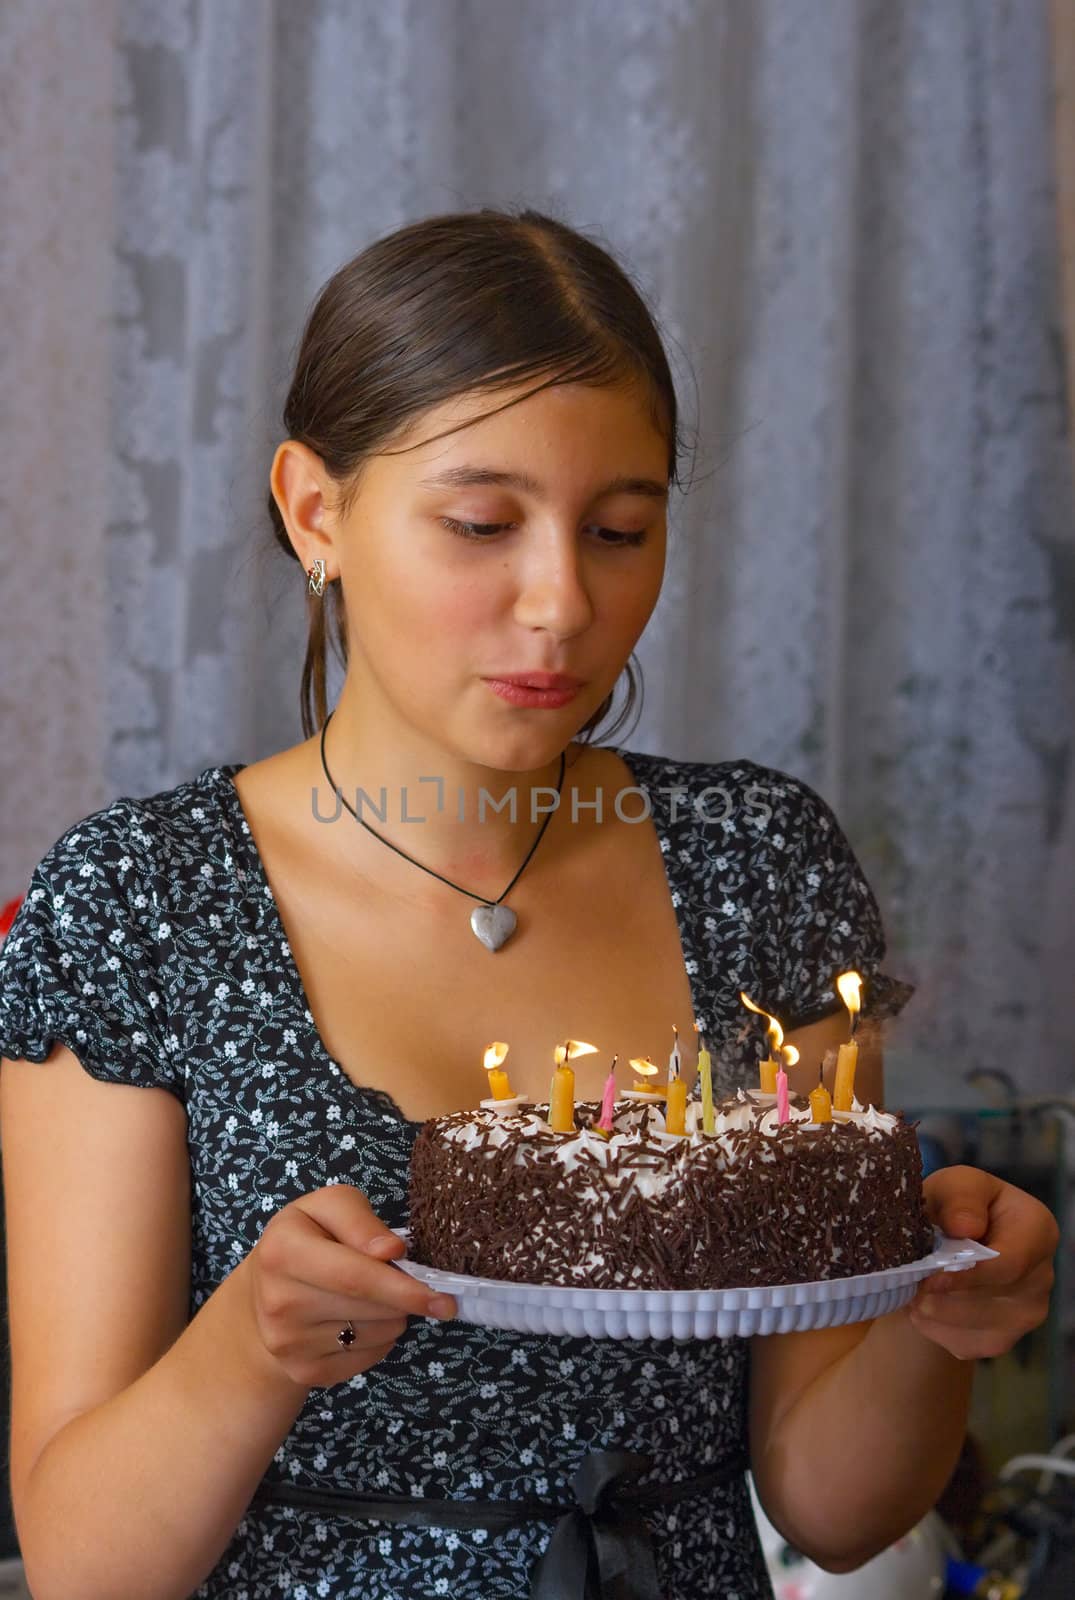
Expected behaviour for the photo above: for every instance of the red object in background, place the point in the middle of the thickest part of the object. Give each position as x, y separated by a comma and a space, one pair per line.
7, 913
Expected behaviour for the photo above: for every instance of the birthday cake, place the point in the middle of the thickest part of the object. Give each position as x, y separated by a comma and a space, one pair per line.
760, 1200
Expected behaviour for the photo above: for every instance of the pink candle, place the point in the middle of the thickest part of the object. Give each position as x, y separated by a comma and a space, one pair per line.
605, 1119
782, 1112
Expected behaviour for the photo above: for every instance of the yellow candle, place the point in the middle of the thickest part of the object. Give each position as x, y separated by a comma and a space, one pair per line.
705, 1075
844, 1086
562, 1100
767, 1070
820, 1104
499, 1084
644, 1071
675, 1109
849, 988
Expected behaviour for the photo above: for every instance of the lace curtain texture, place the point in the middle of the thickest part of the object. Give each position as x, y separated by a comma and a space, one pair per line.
844, 214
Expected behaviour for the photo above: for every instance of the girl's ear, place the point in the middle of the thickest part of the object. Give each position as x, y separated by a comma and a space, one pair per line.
300, 487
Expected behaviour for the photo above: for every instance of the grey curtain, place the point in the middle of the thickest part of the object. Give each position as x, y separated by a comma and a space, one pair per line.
843, 212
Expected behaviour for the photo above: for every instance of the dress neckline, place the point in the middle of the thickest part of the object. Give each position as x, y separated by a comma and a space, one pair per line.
246, 844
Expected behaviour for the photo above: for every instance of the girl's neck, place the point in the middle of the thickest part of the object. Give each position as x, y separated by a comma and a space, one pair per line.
469, 822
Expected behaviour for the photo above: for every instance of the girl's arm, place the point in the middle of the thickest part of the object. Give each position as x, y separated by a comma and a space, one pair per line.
854, 1433
137, 1441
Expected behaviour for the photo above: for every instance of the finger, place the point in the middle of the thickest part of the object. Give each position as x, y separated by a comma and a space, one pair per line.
386, 1247
973, 1282
325, 1265
975, 1335
988, 1278
323, 1305
958, 1200
1025, 1235
965, 1288
344, 1212
1024, 1232
1024, 1311
368, 1335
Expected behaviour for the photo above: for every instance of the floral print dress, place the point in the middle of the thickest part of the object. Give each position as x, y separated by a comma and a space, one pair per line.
149, 943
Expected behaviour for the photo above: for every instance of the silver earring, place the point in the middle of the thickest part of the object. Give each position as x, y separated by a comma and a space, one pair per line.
317, 577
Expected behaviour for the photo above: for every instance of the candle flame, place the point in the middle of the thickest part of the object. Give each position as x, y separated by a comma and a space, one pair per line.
559, 1055
776, 1032
849, 988
643, 1066
790, 1054
494, 1055
578, 1047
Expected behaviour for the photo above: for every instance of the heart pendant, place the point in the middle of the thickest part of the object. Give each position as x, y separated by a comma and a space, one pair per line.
494, 925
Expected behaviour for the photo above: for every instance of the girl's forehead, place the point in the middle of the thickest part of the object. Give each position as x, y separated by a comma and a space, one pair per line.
530, 420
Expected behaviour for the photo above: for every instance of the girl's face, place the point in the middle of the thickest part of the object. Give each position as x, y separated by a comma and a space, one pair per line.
529, 540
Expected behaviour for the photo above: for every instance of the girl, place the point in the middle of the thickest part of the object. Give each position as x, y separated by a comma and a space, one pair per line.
245, 1002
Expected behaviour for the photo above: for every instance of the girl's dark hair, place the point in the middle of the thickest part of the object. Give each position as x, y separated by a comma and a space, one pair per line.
459, 302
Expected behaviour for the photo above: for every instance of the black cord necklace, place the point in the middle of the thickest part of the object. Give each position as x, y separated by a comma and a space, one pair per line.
492, 921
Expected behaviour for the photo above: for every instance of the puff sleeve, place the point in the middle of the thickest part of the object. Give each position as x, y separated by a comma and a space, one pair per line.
826, 919
80, 962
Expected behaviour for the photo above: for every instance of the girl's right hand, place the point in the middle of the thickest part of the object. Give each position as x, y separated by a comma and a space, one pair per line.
322, 1260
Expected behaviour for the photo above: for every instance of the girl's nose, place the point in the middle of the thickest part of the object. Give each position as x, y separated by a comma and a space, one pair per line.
552, 591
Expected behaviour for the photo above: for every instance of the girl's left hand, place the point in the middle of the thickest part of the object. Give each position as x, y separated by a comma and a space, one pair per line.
985, 1310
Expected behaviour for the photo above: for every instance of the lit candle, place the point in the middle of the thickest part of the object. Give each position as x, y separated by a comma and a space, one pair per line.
675, 1107
789, 1056
562, 1094
674, 1061
604, 1121
705, 1076
849, 988
562, 1089
499, 1084
767, 1069
820, 1099
645, 1069
501, 1099
675, 1104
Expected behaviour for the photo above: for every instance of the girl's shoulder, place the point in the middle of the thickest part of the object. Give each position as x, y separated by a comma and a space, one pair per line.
739, 798
139, 842
101, 944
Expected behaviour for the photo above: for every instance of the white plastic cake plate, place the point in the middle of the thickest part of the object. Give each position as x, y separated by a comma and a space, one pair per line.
693, 1313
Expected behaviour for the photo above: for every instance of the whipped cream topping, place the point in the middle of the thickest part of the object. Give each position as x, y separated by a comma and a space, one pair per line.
639, 1149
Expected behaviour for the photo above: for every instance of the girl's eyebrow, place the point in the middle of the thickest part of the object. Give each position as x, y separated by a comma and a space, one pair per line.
468, 476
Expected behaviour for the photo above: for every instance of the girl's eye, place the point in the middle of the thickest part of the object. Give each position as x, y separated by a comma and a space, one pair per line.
486, 530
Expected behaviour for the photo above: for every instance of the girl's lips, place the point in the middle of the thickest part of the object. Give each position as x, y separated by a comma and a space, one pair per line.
525, 694
537, 679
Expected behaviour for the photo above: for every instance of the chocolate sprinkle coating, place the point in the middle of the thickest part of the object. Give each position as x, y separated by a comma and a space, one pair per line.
749, 1207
